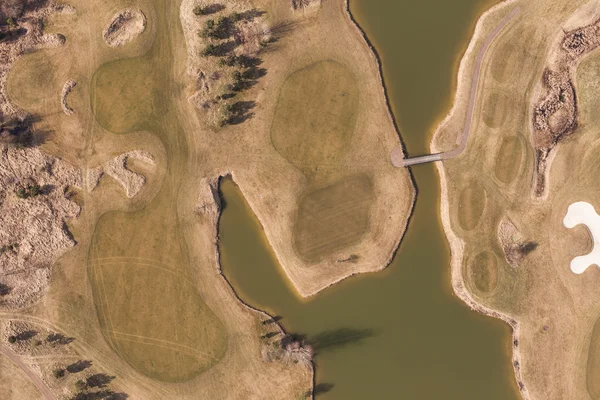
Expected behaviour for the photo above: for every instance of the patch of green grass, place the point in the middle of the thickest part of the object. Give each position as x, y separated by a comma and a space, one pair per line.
332, 218
315, 115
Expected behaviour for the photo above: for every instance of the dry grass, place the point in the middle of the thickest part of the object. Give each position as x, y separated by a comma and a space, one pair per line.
14, 384
167, 312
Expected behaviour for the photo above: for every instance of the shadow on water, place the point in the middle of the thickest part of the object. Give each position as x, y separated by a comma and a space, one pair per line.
338, 338
415, 339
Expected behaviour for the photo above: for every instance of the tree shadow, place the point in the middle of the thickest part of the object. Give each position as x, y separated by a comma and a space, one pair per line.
240, 112
78, 366
338, 338
59, 338
212, 8
320, 388
251, 14
223, 49
99, 380
100, 395
272, 320
269, 335
20, 132
25, 335
5, 289
281, 29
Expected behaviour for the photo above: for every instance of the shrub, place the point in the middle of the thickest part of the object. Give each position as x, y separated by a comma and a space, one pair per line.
12, 339
209, 50
58, 373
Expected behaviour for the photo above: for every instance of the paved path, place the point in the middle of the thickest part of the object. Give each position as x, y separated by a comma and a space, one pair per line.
34, 378
397, 155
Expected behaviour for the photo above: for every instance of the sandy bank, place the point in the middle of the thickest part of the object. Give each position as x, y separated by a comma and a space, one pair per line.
117, 169
67, 87
125, 26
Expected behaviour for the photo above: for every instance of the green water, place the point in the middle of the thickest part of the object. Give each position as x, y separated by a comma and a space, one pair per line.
398, 334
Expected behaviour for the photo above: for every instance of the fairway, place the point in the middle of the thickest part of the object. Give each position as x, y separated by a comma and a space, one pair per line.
315, 115
332, 218
147, 302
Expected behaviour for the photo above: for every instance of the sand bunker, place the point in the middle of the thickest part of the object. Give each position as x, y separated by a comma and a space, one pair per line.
582, 212
68, 86
125, 26
116, 168
33, 232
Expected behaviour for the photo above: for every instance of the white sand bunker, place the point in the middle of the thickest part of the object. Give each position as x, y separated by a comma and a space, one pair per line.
584, 213
117, 168
125, 26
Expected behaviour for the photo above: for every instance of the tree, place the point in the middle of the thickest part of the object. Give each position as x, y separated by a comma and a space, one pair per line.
209, 50
58, 373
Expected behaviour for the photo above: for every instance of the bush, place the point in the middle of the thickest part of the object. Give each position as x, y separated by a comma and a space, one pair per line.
12, 339
81, 385
209, 50
58, 373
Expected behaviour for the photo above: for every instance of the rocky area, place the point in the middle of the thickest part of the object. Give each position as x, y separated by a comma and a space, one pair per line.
125, 26
35, 191
555, 113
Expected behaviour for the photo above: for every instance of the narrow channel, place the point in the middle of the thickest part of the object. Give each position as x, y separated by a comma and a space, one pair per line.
400, 333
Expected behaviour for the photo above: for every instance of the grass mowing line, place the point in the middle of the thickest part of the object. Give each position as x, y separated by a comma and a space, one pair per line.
160, 343
142, 264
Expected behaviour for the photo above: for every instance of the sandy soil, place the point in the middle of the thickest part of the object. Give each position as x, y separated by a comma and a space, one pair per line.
124, 27
117, 169
67, 87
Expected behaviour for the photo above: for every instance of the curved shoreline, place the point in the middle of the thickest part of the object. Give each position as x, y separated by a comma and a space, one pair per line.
455, 243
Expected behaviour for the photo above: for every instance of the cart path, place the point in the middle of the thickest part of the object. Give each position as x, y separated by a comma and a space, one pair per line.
34, 378
397, 154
